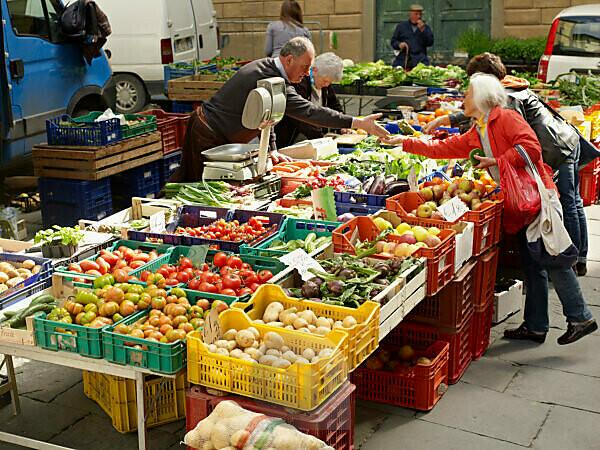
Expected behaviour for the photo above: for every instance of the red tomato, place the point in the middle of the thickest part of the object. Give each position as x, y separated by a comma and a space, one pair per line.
194, 284
251, 279
189, 271
109, 257
225, 270
232, 282
246, 266
93, 272
220, 259
120, 264
219, 286
185, 263
164, 272
264, 275
244, 291
183, 277
89, 265
172, 282
254, 286
74, 267
234, 262
144, 275
205, 267
104, 266
136, 264
230, 292
207, 287
142, 257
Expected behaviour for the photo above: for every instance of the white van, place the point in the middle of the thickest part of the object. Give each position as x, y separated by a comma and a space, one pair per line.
146, 34
573, 43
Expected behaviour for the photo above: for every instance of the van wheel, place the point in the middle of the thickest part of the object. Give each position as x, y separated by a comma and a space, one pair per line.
131, 94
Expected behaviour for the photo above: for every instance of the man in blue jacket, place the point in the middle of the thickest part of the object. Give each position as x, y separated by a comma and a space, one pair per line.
412, 37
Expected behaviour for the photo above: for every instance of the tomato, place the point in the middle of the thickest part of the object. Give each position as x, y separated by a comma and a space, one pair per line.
194, 284
185, 263
183, 277
220, 259
232, 282
109, 257
225, 270
189, 271
89, 265
144, 275
136, 264
172, 282
230, 292
74, 267
234, 262
246, 266
142, 257
93, 272
254, 286
251, 279
264, 275
205, 267
219, 286
245, 291
164, 272
120, 264
207, 287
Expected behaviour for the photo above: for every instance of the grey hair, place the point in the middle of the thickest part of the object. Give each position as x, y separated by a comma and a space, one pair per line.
297, 47
487, 92
329, 65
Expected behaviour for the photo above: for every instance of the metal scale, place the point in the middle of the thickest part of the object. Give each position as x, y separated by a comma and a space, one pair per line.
265, 107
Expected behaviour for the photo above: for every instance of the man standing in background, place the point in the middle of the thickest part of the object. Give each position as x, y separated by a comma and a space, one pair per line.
411, 39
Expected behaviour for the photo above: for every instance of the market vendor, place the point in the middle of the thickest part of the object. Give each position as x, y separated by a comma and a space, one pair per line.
328, 69
411, 39
219, 120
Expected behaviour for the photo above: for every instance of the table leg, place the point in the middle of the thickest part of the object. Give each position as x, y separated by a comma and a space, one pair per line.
141, 410
12, 381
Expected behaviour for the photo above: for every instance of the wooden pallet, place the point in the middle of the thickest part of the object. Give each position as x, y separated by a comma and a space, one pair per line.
95, 163
194, 87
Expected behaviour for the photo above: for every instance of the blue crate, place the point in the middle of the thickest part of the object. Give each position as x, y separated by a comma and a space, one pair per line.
27, 291
392, 127
357, 210
139, 182
170, 73
95, 134
169, 164
440, 90
346, 150
450, 130
68, 214
184, 107
86, 193
352, 198
435, 174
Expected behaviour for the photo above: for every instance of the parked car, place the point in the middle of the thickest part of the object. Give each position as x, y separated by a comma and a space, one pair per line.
573, 43
42, 75
146, 34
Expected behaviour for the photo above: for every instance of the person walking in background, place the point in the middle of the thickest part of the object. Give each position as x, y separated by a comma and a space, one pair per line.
289, 25
411, 39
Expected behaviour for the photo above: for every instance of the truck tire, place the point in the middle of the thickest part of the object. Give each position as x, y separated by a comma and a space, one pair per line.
131, 94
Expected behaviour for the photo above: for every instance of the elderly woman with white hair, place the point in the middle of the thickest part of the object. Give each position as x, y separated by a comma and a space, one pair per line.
327, 69
497, 131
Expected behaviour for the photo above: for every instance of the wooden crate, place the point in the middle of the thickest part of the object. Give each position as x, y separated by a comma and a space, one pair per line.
194, 87
95, 163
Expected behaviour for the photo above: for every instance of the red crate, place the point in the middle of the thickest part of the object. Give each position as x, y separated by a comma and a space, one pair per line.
417, 387
453, 305
589, 187
460, 343
480, 331
592, 167
170, 126
485, 279
332, 422
440, 259
498, 221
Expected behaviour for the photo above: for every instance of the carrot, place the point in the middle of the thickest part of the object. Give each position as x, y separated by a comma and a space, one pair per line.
283, 169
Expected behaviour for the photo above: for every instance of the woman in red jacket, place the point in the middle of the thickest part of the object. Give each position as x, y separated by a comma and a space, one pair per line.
497, 131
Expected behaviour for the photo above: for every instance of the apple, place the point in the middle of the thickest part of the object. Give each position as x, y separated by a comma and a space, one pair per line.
420, 234
424, 211
400, 229
466, 198
407, 238
220, 306
432, 241
413, 213
458, 192
465, 185
434, 230
432, 205
402, 250
414, 247
452, 187
475, 204
426, 193
438, 192
203, 303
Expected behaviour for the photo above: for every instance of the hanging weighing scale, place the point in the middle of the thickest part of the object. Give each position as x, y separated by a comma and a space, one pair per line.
265, 107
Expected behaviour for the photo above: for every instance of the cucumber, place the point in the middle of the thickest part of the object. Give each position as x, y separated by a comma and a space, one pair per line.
310, 238
40, 299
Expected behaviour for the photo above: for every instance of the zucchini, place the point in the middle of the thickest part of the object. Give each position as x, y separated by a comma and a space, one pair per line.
44, 298
310, 238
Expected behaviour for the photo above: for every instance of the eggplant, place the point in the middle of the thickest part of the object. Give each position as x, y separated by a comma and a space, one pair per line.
378, 186
368, 183
310, 290
346, 274
336, 287
390, 179
396, 187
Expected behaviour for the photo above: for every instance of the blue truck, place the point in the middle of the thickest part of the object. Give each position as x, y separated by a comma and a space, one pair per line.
43, 74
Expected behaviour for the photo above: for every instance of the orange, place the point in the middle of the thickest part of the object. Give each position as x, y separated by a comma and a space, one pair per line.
440, 112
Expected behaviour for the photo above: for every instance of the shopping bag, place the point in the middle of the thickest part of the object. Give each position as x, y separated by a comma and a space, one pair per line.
548, 241
521, 196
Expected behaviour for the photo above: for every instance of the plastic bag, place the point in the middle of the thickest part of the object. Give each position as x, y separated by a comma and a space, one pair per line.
521, 196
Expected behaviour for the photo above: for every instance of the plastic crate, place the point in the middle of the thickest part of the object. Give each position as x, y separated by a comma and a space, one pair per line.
589, 187
332, 422
167, 358
169, 125
459, 351
164, 399
498, 221
171, 73
357, 210
23, 293
184, 107
292, 229
592, 167
353, 198
452, 306
418, 387
45, 272
87, 194
480, 330
363, 337
485, 279
146, 125
69, 214
169, 165
300, 386
143, 181
95, 134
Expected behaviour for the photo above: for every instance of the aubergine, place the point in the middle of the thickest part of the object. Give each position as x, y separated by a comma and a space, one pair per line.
368, 183
378, 186
396, 187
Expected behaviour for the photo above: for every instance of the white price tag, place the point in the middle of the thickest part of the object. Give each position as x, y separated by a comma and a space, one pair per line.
197, 254
158, 222
412, 180
301, 261
211, 332
453, 209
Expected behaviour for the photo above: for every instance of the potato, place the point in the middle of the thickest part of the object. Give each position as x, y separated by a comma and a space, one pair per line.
259, 321
3, 277
326, 352
338, 324
302, 360
284, 315
6, 267
212, 348
12, 273
308, 315
349, 322
222, 351
273, 352
28, 264
304, 330
36, 269
272, 312
323, 322
268, 360
236, 353
289, 327
284, 349
315, 359
275, 324
322, 331
290, 356
229, 335
263, 348
221, 343
331, 321
308, 353
254, 331
255, 344
254, 353
273, 340
14, 281
282, 363
300, 323
248, 358
311, 328
231, 345
289, 319
245, 338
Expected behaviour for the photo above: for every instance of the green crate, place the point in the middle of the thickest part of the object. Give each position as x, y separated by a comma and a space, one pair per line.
156, 356
85, 341
146, 126
292, 228
194, 296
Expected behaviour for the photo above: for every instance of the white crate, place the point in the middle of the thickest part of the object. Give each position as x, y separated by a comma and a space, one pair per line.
464, 245
508, 302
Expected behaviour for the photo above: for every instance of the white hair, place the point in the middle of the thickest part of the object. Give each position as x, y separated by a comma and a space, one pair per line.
329, 65
487, 92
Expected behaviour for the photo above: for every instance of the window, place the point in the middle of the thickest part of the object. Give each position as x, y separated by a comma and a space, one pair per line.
35, 18
578, 36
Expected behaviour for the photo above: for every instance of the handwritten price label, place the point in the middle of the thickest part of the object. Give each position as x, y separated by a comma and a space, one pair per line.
211, 332
412, 180
158, 222
453, 209
301, 261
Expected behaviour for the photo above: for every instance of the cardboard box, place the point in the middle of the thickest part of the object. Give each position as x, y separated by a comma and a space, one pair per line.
314, 149
507, 303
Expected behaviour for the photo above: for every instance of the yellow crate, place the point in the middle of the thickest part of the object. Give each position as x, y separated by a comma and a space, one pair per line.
165, 399
300, 386
363, 338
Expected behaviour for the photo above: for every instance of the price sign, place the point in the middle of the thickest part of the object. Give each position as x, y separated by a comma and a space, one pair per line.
453, 210
211, 332
197, 254
301, 261
412, 180
158, 222
324, 204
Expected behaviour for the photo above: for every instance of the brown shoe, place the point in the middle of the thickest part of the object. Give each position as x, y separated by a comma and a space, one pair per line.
523, 334
576, 331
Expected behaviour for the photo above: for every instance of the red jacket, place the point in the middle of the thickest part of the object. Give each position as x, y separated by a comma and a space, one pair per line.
506, 129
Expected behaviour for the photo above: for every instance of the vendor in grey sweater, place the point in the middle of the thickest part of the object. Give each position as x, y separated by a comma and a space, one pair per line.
289, 25
219, 120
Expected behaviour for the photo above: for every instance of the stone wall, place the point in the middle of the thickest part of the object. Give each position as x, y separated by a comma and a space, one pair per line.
247, 40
